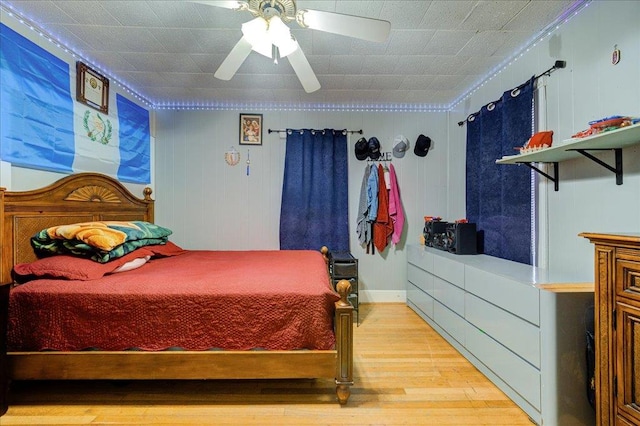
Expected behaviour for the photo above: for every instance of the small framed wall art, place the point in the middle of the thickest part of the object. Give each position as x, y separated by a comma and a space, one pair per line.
92, 88
250, 129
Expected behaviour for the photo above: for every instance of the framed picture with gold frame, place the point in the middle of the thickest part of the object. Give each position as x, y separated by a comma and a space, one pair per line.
250, 129
92, 88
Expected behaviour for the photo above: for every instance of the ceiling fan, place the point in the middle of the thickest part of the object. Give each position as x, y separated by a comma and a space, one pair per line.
269, 35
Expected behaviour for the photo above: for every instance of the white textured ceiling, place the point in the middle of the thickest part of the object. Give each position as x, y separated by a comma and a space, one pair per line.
166, 51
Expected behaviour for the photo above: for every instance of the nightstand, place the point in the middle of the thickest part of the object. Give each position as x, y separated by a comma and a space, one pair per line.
343, 266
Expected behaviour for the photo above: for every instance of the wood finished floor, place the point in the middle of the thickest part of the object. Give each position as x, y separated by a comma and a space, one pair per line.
405, 374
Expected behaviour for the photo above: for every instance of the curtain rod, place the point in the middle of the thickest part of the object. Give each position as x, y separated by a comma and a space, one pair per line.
313, 130
556, 65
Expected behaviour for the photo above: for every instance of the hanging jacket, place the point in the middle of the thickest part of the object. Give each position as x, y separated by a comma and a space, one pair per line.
372, 194
382, 227
363, 227
395, 207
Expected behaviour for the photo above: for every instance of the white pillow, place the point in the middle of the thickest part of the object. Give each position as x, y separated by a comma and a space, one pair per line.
132, 264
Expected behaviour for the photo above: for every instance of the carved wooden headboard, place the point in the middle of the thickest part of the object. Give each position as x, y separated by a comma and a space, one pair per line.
76, 198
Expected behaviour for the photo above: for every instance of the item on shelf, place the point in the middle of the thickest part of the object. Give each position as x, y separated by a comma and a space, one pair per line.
440, 240
605, 124
343, 266
434, 229
461, 237
537, 142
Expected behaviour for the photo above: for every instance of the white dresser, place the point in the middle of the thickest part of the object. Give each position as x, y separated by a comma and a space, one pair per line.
523, 330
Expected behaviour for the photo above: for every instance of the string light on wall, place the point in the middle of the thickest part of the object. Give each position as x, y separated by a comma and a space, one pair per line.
223, 106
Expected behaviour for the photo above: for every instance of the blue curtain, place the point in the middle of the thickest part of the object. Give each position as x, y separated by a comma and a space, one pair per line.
498, 197
314, 211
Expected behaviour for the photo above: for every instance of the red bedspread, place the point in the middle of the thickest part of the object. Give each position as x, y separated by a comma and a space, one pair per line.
231, 300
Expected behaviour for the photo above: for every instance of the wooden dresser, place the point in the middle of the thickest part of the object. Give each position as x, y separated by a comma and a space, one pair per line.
617, 328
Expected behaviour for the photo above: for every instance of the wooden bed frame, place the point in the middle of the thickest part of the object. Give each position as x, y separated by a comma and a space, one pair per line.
88, 197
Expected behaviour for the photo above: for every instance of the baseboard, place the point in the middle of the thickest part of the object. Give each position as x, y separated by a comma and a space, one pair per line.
383, 296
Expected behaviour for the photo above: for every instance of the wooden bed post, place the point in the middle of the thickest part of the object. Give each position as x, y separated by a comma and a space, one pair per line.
344, 341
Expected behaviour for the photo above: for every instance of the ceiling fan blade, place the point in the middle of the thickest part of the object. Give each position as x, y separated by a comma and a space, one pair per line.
303, 70
348, 25
235, 5
234, 59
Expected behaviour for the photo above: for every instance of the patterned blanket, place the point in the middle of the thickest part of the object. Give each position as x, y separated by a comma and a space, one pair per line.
100, 241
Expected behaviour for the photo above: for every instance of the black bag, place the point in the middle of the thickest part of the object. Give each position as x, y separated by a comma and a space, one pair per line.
591, 368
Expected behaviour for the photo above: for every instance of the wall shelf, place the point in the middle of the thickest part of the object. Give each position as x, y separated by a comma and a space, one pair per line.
568, 149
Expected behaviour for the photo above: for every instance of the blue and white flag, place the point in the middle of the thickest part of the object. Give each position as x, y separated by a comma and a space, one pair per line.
42, 127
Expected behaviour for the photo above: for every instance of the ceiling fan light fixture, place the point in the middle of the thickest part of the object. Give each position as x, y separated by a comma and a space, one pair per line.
287, 47
264, 48
277, 29
256, 33
269, 34
255, 30
280, 35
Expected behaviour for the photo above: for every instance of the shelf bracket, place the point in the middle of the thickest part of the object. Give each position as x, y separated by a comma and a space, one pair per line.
553, 178
618, 167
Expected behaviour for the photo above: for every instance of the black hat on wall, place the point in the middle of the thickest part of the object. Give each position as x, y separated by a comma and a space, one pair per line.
374, 148
422, 146
362, 149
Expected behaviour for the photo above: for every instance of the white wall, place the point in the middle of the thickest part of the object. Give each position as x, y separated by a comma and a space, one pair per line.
591, 87
211, 205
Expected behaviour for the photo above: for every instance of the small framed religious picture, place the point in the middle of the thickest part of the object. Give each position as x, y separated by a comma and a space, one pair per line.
250, 129
92, 88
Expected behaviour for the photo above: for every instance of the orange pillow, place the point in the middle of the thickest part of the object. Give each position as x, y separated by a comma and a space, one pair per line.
165, 250
73, 267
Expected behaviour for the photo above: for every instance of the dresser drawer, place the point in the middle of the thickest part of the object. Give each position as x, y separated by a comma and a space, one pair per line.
628, 282
345, 269
449, 270
418, 256
420, 300
420, 279
450, 322
521, 337
520, 299
449, 295
519, 375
